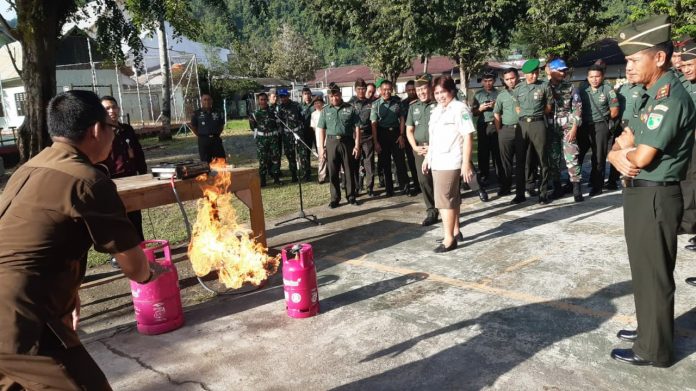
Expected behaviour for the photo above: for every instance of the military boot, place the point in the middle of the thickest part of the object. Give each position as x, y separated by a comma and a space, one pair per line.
276, 180
577, 192
557, 190
263, 181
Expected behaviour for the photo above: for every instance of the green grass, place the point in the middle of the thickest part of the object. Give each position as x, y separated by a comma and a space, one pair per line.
166, 222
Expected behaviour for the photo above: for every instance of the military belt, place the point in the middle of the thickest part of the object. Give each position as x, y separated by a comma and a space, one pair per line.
387, 129
209, 135
628, 182
267, 134
339, 138
532, 118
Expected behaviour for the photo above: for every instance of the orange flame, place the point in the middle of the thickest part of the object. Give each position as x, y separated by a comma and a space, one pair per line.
219, 243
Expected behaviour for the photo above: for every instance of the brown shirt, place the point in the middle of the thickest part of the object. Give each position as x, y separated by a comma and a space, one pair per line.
53, 209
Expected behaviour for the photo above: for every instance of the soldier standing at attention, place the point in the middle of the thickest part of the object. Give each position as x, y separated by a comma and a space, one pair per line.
653, 155
600, 107
363, 106
263, 123
532, 101
510, 140
417, 132
486, 133
290, 122
411, 97
567, 117
339, 127
389, 142
307, 134
207, 125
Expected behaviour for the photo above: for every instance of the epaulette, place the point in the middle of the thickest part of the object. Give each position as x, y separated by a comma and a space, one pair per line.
663, 92
413, 101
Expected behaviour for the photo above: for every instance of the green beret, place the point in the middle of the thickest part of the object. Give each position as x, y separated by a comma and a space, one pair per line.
379, 82
423, 79
687, 49
644, 34
530, 65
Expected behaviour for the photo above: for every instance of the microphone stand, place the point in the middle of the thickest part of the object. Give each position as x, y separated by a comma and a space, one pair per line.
301, 215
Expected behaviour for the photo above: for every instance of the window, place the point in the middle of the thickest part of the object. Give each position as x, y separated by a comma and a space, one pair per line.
20, 102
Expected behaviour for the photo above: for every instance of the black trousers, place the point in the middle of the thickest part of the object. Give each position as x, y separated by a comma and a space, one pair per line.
367, 160
651, 218
426, 184
614, 175
534, 135
339, 155
488, 149
390, 150
411, 161
210, 147
136, 218
595, 136
512, 154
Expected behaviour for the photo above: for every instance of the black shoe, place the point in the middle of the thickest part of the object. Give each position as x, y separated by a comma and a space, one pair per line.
442, 249
483, 195
544, 200
595, 191
458, 237
532, 193
577, 192
416, 190
611, 186
333, 204
308, 178
557, 191
568, 188
504, 192
692, 240
627, 335
406, 190
430, 219
389, 193
276, 181
628, 356
114, 263
263, 181
518, 199
353, 201
690, 247
691, 281
370, 192
294, 179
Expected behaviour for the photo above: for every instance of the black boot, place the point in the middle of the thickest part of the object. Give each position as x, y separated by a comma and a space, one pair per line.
294, 177
276, 180
557, 190
263, 181
577, 192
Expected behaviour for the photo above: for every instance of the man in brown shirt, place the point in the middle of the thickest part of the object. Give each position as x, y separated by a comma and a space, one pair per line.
53, 209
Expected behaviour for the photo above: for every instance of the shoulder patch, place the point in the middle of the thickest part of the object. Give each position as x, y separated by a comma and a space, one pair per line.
661, 107
663, 92
466, 116
654, 121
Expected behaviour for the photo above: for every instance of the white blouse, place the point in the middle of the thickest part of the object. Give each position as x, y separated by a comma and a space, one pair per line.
447, 128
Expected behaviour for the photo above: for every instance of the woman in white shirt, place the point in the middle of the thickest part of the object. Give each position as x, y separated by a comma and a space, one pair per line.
451, 132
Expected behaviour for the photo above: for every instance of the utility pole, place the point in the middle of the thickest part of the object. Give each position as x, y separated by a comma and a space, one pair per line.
165, 133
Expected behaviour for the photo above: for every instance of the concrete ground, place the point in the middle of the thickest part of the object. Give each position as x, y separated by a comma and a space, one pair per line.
532, 300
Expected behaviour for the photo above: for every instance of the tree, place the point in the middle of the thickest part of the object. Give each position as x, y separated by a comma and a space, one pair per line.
683, 13
38, 29
561, 27
292, 56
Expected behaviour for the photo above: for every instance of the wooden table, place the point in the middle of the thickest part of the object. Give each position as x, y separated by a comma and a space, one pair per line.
144, 191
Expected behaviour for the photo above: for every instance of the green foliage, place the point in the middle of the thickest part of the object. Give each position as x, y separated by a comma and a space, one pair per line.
683, 13
292, 56
561, 27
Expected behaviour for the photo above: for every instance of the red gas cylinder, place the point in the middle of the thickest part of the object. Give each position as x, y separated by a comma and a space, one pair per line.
158, 303
300, 281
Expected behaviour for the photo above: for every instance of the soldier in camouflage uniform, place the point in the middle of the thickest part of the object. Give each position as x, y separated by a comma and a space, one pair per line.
563, 130
263, 124
290, 119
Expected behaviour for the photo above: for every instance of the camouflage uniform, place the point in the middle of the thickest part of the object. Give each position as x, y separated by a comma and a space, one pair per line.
567, 112
263, 123
290, 119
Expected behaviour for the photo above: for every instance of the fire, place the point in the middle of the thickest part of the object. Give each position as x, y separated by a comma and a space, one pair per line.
219, 243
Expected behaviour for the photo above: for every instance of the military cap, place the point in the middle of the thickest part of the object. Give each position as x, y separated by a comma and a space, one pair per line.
423, 79
334, 90
379, 82
489, 74
283, 92
644, 34
530, 65
558, 65
687, 49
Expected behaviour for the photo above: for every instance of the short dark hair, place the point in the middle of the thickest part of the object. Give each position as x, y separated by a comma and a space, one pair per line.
511, 69
306, 89
262, 94
667, 47
445, 82
488, 75
359, 82
410, 83
371, 84
71, 113
109, 98
386, 82
597, 68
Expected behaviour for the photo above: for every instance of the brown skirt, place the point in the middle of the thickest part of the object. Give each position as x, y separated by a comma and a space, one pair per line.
446, 188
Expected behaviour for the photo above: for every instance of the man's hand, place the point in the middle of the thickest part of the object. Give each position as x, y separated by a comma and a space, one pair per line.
356, 152
422, 150
378, 148
570, 137
626, 140
467, 172
424, 167
76, 314
622, 164
401, 141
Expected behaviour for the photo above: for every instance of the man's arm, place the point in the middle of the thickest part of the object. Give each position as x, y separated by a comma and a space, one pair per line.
134, 264
497, 120
194, 124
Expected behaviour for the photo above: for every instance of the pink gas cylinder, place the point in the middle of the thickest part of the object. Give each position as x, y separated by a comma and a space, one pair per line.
300, 281
158, 303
